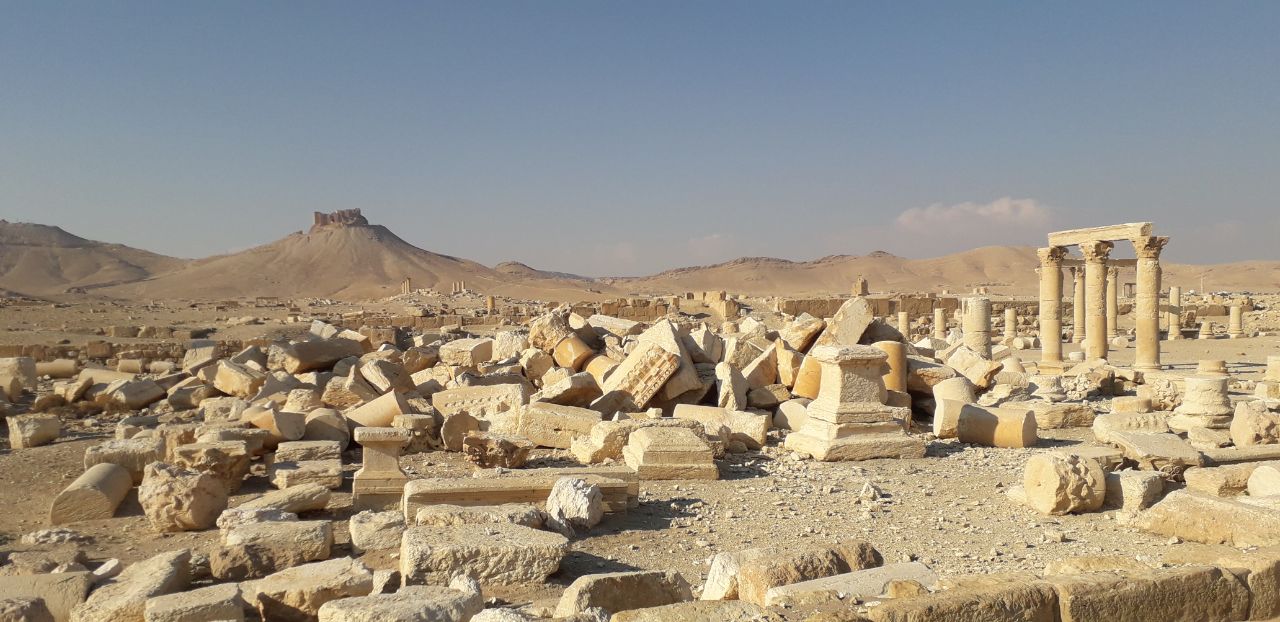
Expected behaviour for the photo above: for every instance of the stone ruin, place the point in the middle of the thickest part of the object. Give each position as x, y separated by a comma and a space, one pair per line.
340, 218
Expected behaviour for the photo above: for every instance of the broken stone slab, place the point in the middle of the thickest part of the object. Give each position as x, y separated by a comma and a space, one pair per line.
311, 355
327, 473
471, 352
479, 491
348, 391
458, 602
480, 402
59, 591
840, 589
26, 431
623, 591
294, 499
29, 609
226, 460
1186, 593
731, 387
1032, 601
747, 428
699, 611
1058, 484
1199, 517
1053, 416
21, 368
94, 495
525, 514
488, 450
574, 505
1131, 491
386, 376
376, 531
297, 451
380, 412
1105, 425
238, 380
970, 364
296, 594
554, 425
772, 568
1259, 569
491, 553
791, 414
132, 394
1157, 451
257, 549
685, 378
1265, 480
1255, 424
176, 499
1229, 480
579, 389
608, 439
124, 598
216, 602
133, 454
637, 379
282, 425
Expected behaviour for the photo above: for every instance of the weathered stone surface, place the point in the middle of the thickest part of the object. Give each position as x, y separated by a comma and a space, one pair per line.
1220, 481
492, 553
970, 364
1198, 517
1192, 593
295, 499
226, 460
1254, 424
27, 431
1004, 601
296, 594
838, 589
1132, 491
133, 454
133, 394
216, 602
608, 438
124, 598
467, 352
175, 499
791, 414
750, 429
327, 473
1105, 425
481, 402
444, 515
376, 531
623, 591
238, 380
579, 389
258, 549
1053, 416
94, 495
28, 609
699, 611
311, 355
554, 425
574, 505
1157, 451
1058, 484
59, 591
669, 453
487, 450
758, 573
1011, 427
416, 603
1265, 480
637, 379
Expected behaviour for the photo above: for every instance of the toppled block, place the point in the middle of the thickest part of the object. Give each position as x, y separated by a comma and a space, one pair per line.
730, 425
764, 569
637, 379
294, 499
658, 453
216, 602
525, 514
327, 473
623, 591
257, 549
460, 601
226, 460
239, 380
1186, 593
1057, 484
1032, 601
531, 488
574, 505
1105, 425
59, 591
608, 438
1053, 416
699, 611
863, 585
487, 450
133, 454
554, 425
580, 389
132, 394
26, 431
94, 495
381, 411
970, 364
124, 599
376, 531
1157, 451
1254, 424
297, 451
481, 402
492, 553
296, 594
1199, 517
467, 352
1131, 491
175, 499
1008, 427
311, 355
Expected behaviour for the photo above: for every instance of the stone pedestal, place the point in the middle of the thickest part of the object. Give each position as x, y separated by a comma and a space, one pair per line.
1095, 277
1175, 313
1235, 324
1113, 303
1050, 304
939, 323
849, 420
1206, 330
977, 325
1204, 404
379, 483
1077, 305
1147, 309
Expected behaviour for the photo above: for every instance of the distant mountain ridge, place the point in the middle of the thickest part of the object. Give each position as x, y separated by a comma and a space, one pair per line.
41, 260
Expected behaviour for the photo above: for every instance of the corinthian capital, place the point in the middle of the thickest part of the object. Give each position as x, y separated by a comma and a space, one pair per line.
1095, 252
1149, 248
1052, 255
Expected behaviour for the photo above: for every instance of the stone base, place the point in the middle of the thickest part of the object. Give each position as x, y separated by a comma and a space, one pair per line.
1184, 423
327, 473
863, 447
703, 470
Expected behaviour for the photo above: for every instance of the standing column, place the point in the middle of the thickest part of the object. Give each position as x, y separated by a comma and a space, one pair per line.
1051, 303
939, 323
1147, 310
1095, 298
1010, 322
1235, 323
904, 324
977, 325
1113, 303
1077, 305
1175, 312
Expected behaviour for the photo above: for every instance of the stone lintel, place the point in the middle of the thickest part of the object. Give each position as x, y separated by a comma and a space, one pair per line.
1110, 233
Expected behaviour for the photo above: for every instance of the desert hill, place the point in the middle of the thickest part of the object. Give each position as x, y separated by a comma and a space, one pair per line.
1006, 270
42, 260
342, 256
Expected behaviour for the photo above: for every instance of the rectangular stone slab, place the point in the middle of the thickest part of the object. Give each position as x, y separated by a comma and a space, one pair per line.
1109, 233
497, 491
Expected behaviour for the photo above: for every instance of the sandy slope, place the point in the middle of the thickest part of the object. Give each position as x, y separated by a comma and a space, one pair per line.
40, 260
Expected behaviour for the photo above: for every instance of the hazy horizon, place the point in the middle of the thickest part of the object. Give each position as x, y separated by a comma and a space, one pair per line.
610, 139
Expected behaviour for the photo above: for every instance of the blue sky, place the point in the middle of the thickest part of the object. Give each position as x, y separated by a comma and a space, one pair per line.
611, 138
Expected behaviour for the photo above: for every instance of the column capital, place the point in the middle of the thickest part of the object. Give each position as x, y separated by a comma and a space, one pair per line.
1052, 255
1096, 251
1149, 248
1113, 272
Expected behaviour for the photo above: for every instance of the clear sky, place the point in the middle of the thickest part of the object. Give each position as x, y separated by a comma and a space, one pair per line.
611, 138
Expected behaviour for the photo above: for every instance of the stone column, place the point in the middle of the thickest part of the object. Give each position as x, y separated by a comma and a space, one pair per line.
939, 323
977, 325
904, 324
1175, 312
1146, 311
1095, 285
1010, 322
1235, 324
1113, 303
1077, 305
1051, 303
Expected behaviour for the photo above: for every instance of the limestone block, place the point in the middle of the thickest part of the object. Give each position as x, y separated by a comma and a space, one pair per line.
637, 379
1265, 480
1187, 593
864, 585
481, 402
1157, 451
489, 450
757, 574
124, 599
327, 473
59, 591
226, 460
492, 553
554, 425
1057, 484
1228, 480
295, 499
133, 454
580, 389
296, 594
574, 505
1053, 416
311, 355
699, 611
669, 453
379, 412
791, 414
608, 438
384, 376
22, 368
1132, 491
801, 332
467, 352
298, 451
623, 591
326, 424
444, 515
1008, 427
1254, 424
133, 394
215, 409
970, 364
26, 431
376, 531
1105, 425
419, 603
175, 499
424, 432
216, 602
1022, 600
94, 495
28, 609
1199, 517
238, 380
281, 425
348, 391
731, 387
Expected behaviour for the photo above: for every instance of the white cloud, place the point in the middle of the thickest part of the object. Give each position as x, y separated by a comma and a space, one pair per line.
1000, 215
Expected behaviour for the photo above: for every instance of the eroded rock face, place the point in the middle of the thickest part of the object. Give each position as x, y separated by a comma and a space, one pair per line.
175, 499
1063, 483
574, 506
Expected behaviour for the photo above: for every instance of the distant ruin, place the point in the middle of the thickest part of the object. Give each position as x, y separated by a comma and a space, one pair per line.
340, 218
